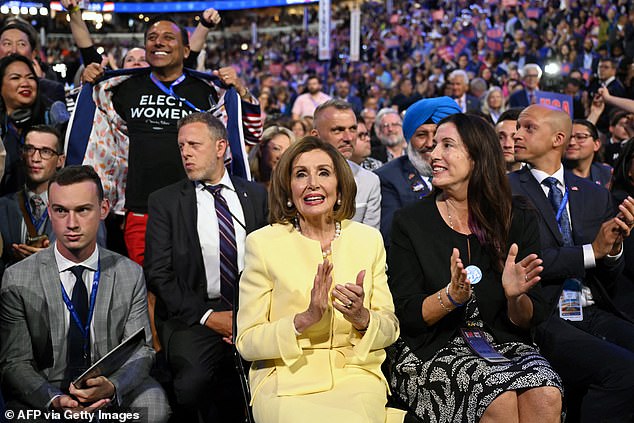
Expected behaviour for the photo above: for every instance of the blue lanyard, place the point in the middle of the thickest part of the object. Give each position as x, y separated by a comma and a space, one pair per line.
171, 92
41, 220
562, 206
85, 329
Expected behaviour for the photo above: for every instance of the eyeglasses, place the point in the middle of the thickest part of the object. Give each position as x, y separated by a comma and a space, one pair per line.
581, 136
363, 134
45, 152
531, 75
393, 125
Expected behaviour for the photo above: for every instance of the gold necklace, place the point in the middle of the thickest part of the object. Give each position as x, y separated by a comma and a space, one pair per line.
449, 214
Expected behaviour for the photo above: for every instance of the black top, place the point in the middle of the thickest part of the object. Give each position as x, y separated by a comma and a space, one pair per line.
419, 265
151, 115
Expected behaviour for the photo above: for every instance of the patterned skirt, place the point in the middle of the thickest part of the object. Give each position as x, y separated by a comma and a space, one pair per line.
456, 385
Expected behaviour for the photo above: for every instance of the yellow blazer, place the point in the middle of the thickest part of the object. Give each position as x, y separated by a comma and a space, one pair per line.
280, 266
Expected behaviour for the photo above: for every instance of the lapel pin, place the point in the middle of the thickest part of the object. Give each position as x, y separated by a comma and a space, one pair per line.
574, 188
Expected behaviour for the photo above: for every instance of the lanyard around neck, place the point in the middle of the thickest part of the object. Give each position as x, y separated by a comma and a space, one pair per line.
170, 91
38, 224
85, 329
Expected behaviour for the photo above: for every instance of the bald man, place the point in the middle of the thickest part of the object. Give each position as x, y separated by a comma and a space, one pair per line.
587, 339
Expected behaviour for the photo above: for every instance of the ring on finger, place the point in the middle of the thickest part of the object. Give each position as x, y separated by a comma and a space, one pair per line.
348, 305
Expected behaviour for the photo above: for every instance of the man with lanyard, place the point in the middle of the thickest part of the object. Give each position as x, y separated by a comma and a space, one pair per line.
67, 306
25, 226
589, 342
139, 153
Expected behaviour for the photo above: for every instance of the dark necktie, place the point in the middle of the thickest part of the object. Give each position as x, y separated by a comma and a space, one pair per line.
78, 358
556, 197
228, 248
531, 98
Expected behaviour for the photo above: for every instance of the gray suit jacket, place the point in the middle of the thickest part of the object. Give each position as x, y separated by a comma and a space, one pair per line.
31, 325
368, 199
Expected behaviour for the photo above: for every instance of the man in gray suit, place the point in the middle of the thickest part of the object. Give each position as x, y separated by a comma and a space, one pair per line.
49, 334
335, 123
25, 226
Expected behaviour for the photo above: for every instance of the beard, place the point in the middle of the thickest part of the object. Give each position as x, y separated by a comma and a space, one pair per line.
391, 141
420, 164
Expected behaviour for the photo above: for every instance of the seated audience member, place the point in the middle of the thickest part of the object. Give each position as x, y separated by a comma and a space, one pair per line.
407, 179
315, 310
194, 255
306, 103
43, 348
25, 225
389, 131
336, 124
22, 106
363, 149
18, 37
493, 104
531, 75
586, 339
459, 85
299, 127
505, 128
462, 268
580, 154
264, 156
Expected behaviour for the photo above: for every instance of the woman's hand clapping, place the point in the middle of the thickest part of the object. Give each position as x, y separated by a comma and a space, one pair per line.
348, 299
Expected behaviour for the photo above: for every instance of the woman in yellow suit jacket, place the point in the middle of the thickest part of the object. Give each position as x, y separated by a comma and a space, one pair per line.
315, 310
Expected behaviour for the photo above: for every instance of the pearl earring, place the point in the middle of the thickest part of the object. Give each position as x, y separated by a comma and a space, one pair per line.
338, 201
289, 204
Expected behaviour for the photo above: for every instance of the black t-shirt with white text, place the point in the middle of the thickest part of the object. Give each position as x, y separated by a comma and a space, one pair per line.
151, 116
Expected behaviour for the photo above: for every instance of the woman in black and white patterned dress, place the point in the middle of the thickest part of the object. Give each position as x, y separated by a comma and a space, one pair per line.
464, 257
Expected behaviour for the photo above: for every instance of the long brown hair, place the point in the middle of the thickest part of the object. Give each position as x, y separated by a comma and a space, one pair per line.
489, 192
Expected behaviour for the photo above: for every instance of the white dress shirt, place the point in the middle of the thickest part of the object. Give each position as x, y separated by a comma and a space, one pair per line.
589, 261
68, 282
207, 226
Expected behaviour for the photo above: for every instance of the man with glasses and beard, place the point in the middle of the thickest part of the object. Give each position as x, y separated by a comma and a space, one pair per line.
408, 178
389, 131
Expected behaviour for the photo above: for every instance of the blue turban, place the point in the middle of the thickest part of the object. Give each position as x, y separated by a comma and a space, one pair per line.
434, 109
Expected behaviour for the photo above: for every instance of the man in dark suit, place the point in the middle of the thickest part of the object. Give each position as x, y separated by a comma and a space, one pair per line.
49, 336
459, 81
531, 75
607, 79
25, 226
407, 178
342, 92
590, 343
194, 253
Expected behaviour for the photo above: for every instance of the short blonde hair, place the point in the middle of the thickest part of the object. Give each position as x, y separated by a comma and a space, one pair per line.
280, 192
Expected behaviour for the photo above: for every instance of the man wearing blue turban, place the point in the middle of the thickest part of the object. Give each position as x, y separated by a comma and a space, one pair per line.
408, 178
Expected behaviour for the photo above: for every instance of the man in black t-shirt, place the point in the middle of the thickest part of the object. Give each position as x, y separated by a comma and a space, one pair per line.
135, 149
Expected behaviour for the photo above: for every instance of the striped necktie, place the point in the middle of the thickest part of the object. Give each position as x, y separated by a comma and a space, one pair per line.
228, 246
